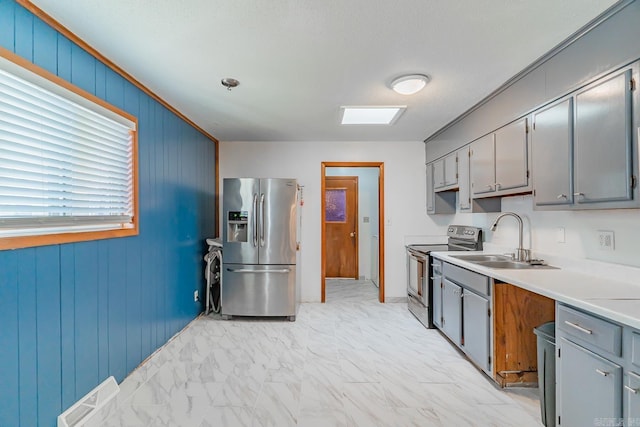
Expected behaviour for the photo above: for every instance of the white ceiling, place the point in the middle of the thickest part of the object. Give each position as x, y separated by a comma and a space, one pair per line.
298, 61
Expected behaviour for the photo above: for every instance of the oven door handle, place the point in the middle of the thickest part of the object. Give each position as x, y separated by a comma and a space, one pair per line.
418, 258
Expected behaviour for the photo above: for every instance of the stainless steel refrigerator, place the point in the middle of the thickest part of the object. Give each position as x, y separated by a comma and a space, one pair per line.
259, 247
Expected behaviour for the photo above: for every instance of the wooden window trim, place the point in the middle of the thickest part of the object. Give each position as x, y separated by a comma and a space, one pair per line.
82, 236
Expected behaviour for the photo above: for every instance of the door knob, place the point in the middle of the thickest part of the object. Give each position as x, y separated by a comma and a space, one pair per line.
352, 234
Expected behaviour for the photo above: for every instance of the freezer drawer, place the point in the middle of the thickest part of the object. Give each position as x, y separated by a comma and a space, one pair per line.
258, 290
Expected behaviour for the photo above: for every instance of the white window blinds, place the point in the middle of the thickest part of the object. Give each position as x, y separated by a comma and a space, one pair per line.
66, 163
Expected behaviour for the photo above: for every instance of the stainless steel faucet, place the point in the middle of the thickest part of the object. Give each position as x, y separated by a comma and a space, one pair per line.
521, 254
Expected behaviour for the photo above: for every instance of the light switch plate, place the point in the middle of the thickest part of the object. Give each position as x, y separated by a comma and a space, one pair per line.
560, 235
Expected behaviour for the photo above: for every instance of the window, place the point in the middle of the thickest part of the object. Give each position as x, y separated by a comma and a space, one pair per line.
67, 161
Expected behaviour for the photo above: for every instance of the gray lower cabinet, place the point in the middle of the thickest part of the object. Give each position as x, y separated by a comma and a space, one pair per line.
632, 399
452, 311
590, 387
475, 325
436, 303
466, 313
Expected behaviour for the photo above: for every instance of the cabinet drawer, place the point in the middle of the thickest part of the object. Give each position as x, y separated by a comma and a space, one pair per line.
468, 279
590, 329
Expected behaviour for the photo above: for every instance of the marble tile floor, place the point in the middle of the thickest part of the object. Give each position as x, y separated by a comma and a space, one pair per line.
349, 362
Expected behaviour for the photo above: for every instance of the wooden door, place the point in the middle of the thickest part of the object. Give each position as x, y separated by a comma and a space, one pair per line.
341, 226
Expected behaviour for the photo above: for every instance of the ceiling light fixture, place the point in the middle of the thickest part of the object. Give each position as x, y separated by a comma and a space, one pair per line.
410, 84
371, 115
229, 83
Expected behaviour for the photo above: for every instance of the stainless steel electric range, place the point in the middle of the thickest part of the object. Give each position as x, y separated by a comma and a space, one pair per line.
420, 268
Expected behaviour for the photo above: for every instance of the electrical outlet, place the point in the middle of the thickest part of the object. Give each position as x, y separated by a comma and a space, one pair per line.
606, 241
196, 296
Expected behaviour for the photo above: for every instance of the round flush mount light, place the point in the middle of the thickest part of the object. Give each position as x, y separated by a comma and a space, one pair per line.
229, 83
410, 84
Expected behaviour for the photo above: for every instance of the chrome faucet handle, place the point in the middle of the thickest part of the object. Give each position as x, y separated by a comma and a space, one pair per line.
523, 255
510, 255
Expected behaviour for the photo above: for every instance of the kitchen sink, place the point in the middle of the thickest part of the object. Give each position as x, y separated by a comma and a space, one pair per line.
482, 257
516, 265
501, 261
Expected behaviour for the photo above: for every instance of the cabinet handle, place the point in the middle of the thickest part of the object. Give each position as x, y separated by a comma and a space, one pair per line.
632, 390
578, 327
490, 186
578, 194
498, 185
601, 372
561, 196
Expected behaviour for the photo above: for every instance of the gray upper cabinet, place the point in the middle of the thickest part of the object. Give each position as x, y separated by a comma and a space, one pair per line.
483, 166
603, 140
552, 156
464, 192
438, 203
499, 161
583, 147
430, 189
451, 169
512, 169
445, 172
438, 174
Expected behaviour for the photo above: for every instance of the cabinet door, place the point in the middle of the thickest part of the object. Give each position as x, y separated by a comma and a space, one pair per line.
475, 327
452, 311
552, 156
511, 156
483, 172
438, 174
464, 192
632, 398
436, 305
603, 141
590, 387
451, 169
430, 192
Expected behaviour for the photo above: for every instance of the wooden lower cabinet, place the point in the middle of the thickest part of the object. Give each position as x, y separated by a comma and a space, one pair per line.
517, 312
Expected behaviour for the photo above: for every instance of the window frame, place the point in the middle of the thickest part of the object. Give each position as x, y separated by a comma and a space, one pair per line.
16, 242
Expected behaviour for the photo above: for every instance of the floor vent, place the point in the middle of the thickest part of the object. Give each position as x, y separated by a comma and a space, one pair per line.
78, 414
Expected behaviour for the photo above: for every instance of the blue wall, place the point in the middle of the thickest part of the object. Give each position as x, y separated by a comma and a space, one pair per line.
71, 315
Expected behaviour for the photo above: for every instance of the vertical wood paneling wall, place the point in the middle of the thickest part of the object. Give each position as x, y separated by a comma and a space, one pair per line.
73, 314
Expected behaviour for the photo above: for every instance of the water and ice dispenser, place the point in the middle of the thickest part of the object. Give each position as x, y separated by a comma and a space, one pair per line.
237, 225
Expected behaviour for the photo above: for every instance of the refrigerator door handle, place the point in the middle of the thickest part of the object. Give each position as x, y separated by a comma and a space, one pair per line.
262, 219
246, 270
255, 219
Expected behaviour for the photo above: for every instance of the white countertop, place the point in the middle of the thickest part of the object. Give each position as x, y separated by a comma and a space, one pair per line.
614, 299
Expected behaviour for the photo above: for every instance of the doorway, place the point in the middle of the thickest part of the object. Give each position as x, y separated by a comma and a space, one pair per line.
336, 186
